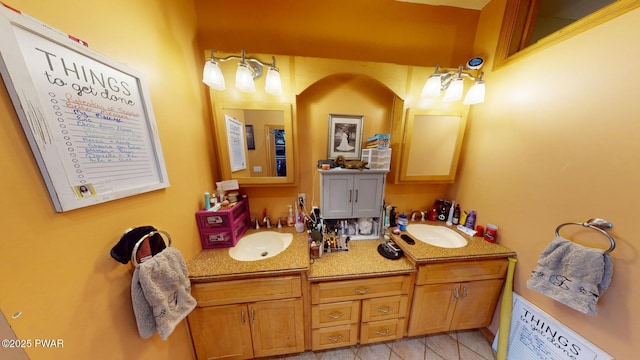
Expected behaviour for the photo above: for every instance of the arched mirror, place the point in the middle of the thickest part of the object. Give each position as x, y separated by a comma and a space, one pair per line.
531, 25
255, 143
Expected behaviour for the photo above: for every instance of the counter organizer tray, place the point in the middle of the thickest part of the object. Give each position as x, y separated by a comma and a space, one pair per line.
390, 250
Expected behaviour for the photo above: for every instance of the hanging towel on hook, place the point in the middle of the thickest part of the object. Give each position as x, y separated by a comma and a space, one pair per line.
161, 294
122, 250
572, 274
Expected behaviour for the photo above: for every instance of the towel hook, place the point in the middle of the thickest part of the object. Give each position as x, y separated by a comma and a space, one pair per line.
144, 237
598, 224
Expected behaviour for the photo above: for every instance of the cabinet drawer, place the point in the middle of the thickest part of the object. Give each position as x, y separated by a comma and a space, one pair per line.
382, 330
335, 336
461, 271
334, 314
239, 291
221, 219
333, 291
391, 307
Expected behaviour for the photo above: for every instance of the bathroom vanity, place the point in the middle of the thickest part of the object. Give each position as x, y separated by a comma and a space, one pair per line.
285, 304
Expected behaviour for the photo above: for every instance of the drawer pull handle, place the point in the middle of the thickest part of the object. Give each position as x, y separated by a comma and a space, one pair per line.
242, 317
334, 339
356, 195
464, 292
252, 316
350, 192
384, 311
383, 333
361, 291
335, 316
456, 294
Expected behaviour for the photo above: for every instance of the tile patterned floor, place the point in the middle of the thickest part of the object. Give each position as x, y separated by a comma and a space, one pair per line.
457, 345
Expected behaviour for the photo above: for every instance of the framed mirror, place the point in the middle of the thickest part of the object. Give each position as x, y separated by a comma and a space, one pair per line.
431, 146
532, 25
255, 143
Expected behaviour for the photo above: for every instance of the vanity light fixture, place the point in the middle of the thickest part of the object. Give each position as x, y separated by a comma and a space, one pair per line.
249, 68
452, 83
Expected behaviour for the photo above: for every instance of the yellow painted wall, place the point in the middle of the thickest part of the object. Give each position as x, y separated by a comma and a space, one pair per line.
56, 267
557, 141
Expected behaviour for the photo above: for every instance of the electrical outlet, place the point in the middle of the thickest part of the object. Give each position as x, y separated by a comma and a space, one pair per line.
302, 199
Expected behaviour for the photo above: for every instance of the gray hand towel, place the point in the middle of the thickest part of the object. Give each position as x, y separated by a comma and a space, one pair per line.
572, 274
164, 282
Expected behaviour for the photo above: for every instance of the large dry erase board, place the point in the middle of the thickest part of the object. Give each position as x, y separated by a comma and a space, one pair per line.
88, 119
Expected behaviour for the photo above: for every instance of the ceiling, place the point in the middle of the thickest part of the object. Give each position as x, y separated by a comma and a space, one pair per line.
467, 4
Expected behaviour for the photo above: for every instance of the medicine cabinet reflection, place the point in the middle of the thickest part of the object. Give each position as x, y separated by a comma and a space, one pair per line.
255, 143
431, 146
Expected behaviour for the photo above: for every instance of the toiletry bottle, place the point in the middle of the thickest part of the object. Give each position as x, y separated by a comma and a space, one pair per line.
456, 215
471, 220
433, 214
207, 201
290, 219
392, 217
402, 222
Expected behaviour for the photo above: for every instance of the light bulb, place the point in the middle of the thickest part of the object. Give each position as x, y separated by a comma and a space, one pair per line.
475, 94
212, 76
244, 78
432, 87
273, 84
454, 92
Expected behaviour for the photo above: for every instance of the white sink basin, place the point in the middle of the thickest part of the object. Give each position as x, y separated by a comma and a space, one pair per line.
436, 235
260, 245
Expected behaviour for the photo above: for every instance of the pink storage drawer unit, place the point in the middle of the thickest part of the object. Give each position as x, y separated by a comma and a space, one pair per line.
223, 228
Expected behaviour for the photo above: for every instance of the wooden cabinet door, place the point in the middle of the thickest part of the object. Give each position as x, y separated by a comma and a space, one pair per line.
433, 307
367, 195
477, 302
337, 196
277, 327
221, 332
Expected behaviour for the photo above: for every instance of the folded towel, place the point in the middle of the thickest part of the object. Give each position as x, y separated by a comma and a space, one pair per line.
123, 249
572, 274
161, 294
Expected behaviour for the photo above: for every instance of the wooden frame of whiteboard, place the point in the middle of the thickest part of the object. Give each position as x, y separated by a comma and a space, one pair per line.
30, 108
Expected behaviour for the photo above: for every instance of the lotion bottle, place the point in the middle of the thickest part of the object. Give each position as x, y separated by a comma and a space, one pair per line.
290, 220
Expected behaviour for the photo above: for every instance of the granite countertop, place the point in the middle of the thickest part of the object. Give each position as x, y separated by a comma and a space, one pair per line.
362, 260
216, 264
477, 248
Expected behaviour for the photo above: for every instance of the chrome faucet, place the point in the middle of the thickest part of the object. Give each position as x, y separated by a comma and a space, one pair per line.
413, 215
280, 220
255, 220
267, 221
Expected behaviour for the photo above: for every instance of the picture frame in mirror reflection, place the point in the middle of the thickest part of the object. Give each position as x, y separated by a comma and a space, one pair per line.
251, 143
345, 136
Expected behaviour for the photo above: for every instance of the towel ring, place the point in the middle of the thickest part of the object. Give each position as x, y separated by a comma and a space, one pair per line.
143, 238
600, 225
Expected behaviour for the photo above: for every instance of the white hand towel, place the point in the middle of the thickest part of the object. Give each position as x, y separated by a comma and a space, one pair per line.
165, 284
572, 274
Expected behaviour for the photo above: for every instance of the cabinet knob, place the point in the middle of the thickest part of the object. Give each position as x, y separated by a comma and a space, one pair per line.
335, 316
